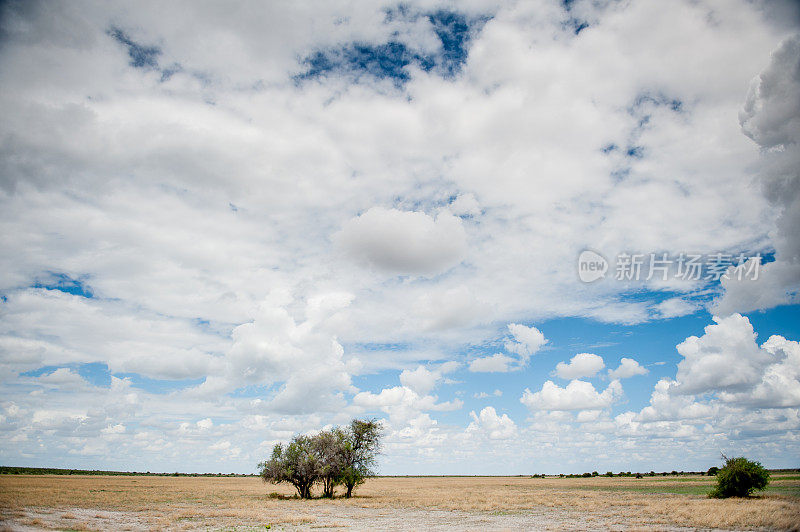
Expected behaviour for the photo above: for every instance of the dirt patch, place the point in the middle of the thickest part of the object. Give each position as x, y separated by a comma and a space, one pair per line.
330, 517
494, 503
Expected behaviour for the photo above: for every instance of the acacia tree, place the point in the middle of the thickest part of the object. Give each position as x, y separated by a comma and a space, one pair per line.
328, 446
360, 448
332, 457
296, 463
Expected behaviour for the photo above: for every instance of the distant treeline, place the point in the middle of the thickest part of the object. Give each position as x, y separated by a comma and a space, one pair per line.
711, 472
9, 470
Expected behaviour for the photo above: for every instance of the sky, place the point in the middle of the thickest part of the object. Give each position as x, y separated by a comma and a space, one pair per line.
530, 237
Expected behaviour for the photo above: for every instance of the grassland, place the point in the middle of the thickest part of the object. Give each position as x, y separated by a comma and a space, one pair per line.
127, 502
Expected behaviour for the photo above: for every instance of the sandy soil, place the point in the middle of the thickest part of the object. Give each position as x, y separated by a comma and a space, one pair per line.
333, 517
389, 503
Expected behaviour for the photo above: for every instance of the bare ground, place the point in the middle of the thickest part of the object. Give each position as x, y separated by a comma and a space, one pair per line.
429, 503
334, 517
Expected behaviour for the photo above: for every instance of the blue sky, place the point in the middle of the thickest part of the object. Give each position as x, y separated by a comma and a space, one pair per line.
293, 215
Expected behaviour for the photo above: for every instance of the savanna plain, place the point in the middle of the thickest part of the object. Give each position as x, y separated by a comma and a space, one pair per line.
77, 502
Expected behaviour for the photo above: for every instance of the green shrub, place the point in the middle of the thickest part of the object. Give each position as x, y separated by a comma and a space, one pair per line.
713, 470
739, 477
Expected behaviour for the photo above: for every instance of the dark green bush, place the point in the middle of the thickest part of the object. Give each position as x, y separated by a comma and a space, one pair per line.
713, 470
739, 477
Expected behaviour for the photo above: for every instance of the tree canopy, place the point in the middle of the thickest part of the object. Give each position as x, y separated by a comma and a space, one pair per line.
343, 456
739, 477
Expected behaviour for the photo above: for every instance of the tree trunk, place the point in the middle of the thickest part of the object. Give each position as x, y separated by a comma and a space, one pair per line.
327, 487
349, 491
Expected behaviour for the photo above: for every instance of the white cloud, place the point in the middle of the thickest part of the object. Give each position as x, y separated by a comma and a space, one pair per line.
216, 216
407, 410
628, 367
420, 380
484, 395
307, 360
489, 422
581, 365
465, 205
725, 358
675, 307
770, 118
64, 379
497, 363
667, 405
404, 242
778, 385
119, 428
527, 340
577, 395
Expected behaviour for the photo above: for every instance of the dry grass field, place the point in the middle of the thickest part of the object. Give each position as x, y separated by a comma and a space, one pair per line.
434, 503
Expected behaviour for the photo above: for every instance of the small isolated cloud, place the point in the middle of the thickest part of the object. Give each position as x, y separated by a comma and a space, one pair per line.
527, 340
577, 395
404, 242
497, 363
490, 423
484, 395
628, 367
205, 424
675, 307
581, 365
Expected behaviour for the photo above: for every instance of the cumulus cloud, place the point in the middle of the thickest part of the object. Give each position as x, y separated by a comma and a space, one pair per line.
64, 379
304, 358
726, 380
404, 242
490, 423
405, 407
725, 358
675, 307
422, 380
628, 367
496, 363
581, 365
577, 395
771, 118
527, 340
177, 193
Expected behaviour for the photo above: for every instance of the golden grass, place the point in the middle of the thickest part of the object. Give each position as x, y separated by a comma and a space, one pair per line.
190, 502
